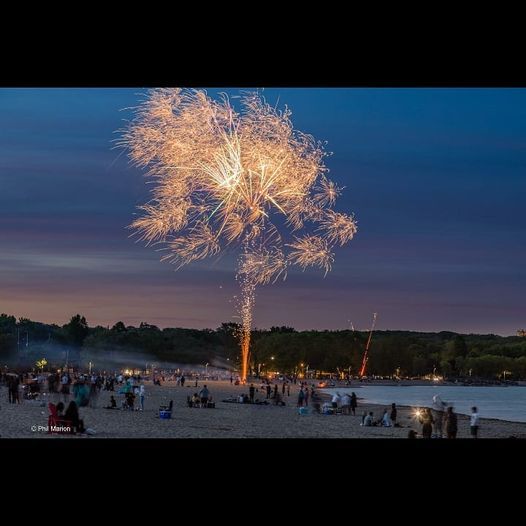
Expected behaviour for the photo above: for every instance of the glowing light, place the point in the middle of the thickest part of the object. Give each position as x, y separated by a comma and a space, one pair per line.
226, 178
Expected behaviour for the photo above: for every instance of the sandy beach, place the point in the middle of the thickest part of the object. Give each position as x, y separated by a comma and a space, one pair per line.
227, 420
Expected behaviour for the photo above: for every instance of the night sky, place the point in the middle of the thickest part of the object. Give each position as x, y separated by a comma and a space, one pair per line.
435, 177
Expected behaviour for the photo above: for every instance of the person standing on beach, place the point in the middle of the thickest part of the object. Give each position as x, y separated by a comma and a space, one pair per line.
288, 389
474, 422
283, 388
204, 394
336, 402
183, 379
438, 415
451, 423
268, 391
354, 403
427, 423
301, 397
393, 414
251, 392
142, 393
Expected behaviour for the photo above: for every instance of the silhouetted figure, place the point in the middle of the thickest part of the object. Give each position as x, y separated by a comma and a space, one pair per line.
426, 419
393, 414
72, 414
451, 423
354, 403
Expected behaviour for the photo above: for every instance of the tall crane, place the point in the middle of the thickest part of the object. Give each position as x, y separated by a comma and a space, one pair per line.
366, 353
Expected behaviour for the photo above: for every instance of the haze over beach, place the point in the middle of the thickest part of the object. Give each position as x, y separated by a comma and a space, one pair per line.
281, 262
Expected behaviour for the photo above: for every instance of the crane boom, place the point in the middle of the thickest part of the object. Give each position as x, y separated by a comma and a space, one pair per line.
366, 353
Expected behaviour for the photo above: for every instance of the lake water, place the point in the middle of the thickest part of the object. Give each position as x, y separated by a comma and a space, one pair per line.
503, 403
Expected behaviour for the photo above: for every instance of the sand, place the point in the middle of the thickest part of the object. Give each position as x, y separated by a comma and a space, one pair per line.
226, 420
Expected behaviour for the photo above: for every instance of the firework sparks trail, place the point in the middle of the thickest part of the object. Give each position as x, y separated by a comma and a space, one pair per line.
234, 179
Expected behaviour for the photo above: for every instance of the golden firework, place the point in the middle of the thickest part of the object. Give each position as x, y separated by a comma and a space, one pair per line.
224, 178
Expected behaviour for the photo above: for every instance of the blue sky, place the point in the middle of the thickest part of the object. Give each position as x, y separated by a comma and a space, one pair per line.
435, 177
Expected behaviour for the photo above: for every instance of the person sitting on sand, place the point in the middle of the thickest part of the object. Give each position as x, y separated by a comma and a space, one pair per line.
113, 403
316, 401
196, 401
411, 433
278, 399
386, 420
72, 414
368, 420
130, 400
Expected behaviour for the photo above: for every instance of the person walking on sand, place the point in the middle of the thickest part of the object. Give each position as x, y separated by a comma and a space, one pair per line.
474, 422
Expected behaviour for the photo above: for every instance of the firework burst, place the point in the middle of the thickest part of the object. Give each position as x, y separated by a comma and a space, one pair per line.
227, 178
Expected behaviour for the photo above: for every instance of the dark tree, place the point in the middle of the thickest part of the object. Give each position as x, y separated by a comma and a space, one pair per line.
76, 330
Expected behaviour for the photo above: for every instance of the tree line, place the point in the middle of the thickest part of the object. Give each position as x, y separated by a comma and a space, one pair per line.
282, 349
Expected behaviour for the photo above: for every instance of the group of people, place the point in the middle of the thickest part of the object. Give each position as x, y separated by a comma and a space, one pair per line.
201, 399
389, 418
442, 417
347, 403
